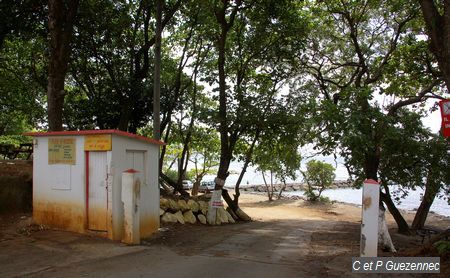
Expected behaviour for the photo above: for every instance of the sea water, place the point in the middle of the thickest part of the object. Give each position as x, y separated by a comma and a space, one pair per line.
346, 195
410, 202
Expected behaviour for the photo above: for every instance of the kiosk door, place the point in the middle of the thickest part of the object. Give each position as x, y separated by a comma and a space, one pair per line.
97, 196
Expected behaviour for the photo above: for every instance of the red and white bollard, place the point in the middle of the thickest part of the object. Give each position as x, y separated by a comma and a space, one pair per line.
369, 224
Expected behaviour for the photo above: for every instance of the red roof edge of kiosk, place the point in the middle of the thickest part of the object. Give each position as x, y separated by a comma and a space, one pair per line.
371, 181
95, 132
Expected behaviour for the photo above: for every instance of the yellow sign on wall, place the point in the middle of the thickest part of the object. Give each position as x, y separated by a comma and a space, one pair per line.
98, 142
62, 151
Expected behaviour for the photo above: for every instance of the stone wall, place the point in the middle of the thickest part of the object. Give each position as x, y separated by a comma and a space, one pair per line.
192, 211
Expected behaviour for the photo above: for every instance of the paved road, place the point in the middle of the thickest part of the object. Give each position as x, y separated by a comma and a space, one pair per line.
257, 249
277, 249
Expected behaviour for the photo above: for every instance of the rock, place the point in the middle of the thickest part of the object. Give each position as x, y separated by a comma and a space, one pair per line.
202, 203
179, 217
189, 217
164, 203
168, 218
161, 211
204, 211
183, 205
203, 207
173, 205
202, 219
221, 216
230, 218
193, 205
242, 215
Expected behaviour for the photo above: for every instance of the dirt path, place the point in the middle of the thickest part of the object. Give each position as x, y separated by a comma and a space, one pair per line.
287, 239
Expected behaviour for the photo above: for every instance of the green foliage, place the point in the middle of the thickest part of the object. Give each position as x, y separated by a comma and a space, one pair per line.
22, 85
413, 155
318, 176
172, 174
205, 148
443, 247
15, 140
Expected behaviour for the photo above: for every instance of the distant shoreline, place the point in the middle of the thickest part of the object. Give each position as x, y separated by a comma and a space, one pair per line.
298, 186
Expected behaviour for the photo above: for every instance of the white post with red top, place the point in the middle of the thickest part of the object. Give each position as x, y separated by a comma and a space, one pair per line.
369, 223
130, 198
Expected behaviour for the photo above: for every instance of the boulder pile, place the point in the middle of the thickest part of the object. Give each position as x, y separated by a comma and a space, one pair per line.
191, 211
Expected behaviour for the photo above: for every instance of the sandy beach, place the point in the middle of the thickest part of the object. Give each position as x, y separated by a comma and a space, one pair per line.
256, 205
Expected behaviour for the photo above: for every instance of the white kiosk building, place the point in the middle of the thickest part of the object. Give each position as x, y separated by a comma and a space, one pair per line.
77, 180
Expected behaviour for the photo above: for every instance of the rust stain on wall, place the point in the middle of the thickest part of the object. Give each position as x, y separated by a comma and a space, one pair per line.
67, 216
98, 219
367, 202
148, 225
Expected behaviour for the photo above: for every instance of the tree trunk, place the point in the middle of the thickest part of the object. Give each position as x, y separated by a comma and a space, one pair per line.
55, 101
225, 155
431, 190
176, 186
226, 141
267, 186
229, 201
248, 157
125, 115
281, 190
403, 227
157, 73
371, 170
61, 17
371, 164
163, 149
195, 187
237, 191
438, 30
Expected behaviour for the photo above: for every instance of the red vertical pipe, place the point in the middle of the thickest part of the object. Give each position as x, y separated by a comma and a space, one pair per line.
87, 189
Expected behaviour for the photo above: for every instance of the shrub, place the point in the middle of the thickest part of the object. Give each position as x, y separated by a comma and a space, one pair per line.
318, 176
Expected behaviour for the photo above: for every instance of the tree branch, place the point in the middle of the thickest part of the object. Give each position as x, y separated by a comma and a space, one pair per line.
418, 98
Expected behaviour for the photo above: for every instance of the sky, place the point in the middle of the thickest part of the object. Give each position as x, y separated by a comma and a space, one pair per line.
433, 121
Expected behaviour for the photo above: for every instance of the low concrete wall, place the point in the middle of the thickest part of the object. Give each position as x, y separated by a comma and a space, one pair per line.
16, 186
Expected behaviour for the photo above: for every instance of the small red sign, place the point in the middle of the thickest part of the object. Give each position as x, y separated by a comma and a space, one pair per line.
445, 113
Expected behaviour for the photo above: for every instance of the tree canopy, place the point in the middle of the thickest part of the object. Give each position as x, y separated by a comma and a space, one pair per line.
241, 80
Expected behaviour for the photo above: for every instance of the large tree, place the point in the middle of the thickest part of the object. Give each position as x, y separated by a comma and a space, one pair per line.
368, 52
113, 61
61, 18
255, 42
